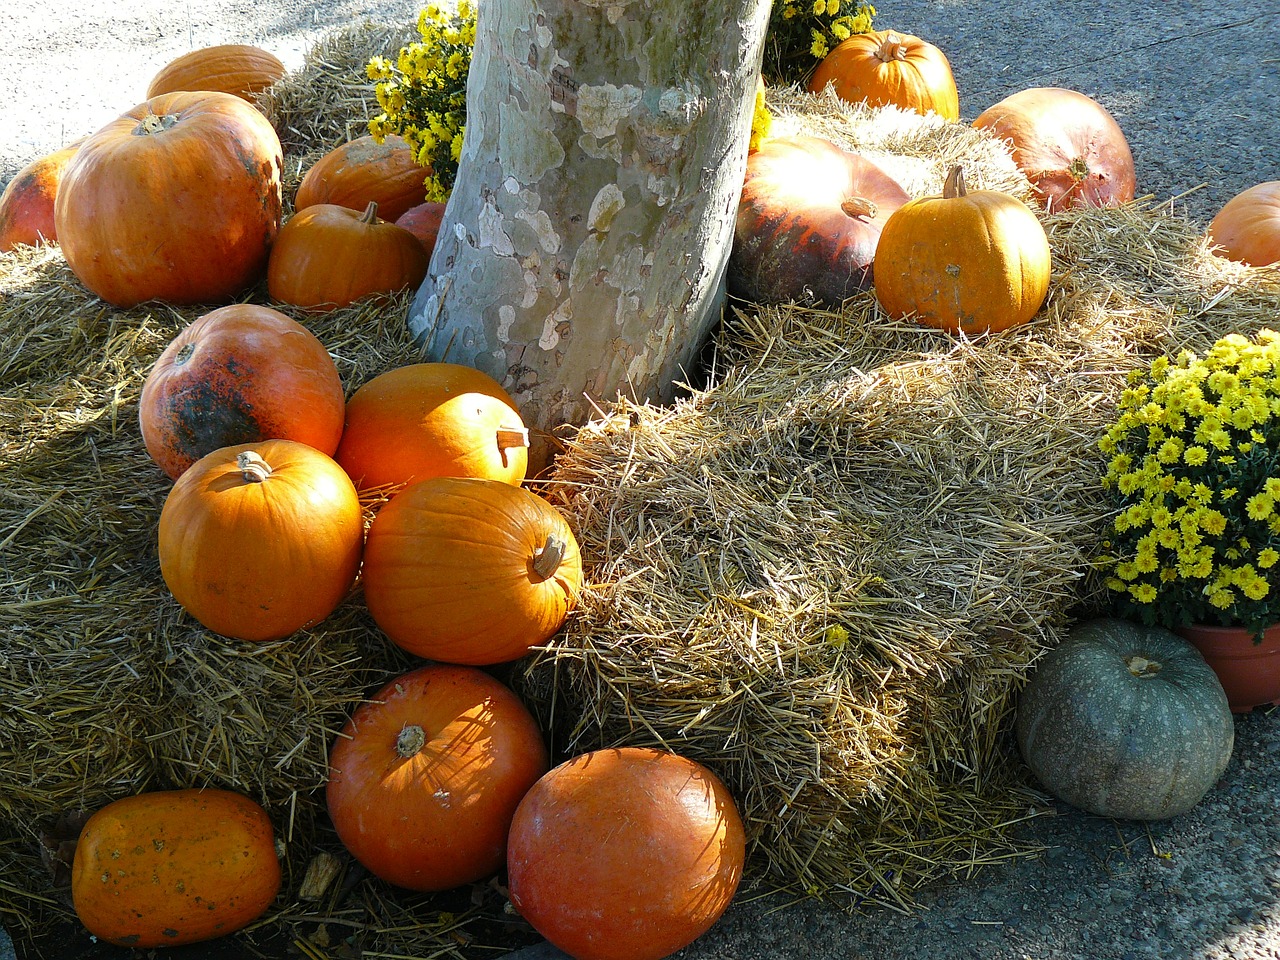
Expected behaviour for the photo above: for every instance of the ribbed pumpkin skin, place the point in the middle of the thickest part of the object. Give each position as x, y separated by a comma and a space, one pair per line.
171, 867
437, 817
235, 68
426, 420
259, 561
449, 570
26, 206
239, 374
888, 67
625, 854
360, 170
1247, 228
1137, 747
185, 213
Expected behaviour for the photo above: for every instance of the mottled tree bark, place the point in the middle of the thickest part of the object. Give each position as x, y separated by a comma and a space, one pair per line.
584, 246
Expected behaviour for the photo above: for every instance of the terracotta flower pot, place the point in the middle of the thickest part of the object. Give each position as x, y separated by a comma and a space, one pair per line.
1250, 672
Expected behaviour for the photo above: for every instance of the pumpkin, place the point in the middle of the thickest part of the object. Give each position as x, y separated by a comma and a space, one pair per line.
239, 69
1247, 228
470, 571
26, 206
171, 867
423, 221
328, 256
427, 420
260, 540
177, 200
965, 261
239, 374
1125, 721
1067, 144
625, 854
886, 67
362, 170
426, 776
809, 218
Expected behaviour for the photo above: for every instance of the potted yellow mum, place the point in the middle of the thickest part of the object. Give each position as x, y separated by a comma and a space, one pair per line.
1195, 474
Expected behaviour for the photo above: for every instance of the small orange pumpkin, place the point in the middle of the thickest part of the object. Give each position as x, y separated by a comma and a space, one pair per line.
354, 173
239, 69
423, 221
26, 206
1247, 228
426, 776
170, 867
470, 571
260, 540
887, 67
328, 256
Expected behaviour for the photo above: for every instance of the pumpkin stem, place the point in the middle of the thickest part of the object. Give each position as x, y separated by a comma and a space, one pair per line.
370, 214
1140, 666
509, 437
252, 467
1078, 169
954, 187
892, 47
547, 558
412, 739
860, 208
154, 123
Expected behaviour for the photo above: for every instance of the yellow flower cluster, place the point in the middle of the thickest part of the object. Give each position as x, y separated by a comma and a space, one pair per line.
802, 32
1195, 470
761, 121
423, 95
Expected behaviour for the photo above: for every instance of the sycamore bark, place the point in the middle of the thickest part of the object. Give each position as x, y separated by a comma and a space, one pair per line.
583, 249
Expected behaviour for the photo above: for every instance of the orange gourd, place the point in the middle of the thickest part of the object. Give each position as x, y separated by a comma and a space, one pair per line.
328, 256
470, 571
171, 867
262, 539
239, 69
625, 854
239, 374
362, 170
427, 420
965, 261
26, 206
426, 776
1247, 228
177, 200
887, 67
423, 221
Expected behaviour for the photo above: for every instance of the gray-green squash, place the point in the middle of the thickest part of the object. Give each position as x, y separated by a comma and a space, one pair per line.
1125, 721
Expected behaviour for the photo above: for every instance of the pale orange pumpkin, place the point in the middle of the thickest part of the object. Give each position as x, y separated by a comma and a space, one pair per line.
362, 170
1247, 228
886, 67
239, 69
26, 206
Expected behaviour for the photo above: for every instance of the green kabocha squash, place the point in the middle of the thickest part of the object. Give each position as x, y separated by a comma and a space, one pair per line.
1125, 721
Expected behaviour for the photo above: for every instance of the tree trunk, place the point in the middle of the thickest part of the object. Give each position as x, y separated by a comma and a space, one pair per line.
583, 249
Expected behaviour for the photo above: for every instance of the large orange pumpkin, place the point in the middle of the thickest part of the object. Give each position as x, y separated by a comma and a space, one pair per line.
262, 539
426, 776
965, 261
471, 571
426, 420
362, 170
239, 374
1247, 228
1067, 144
328, 256
887, 67
170, 867
239, 69
26, 206
177, 200
625, 854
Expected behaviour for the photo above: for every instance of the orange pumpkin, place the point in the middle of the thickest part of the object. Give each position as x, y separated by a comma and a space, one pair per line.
1068, 146
470, 571
262, 539
239, 374
26, 206
887, 67
426, 776
177, 200
965, 262
625, 854
239, 69
362, 170
423, 221
328, 256
426, 420
170, 867
1247, 228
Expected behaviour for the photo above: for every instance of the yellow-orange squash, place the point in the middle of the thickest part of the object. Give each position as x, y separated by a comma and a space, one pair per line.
239, 69
470, 571
427, 420
362, 170
1247, 228
260, 540
965, 261
26, 206
171, 867
888, 67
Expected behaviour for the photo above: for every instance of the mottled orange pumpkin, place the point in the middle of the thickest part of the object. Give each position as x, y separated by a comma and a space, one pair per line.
362, 170
470, 571
886, 67
426, 776
260, 540
423, 221
170, 867
239, 69
1247, 228
26, 206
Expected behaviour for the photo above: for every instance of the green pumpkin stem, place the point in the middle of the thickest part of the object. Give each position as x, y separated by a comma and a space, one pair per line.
252, 467
954, 186
548, 557
411, 739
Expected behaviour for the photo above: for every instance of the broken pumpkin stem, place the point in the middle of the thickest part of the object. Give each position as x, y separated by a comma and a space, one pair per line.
954, 186
509, 437
548, 557
370, 214
154, 123
252, 467
1078, 169
1140, 666
892, 47
859, 208
411, 739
